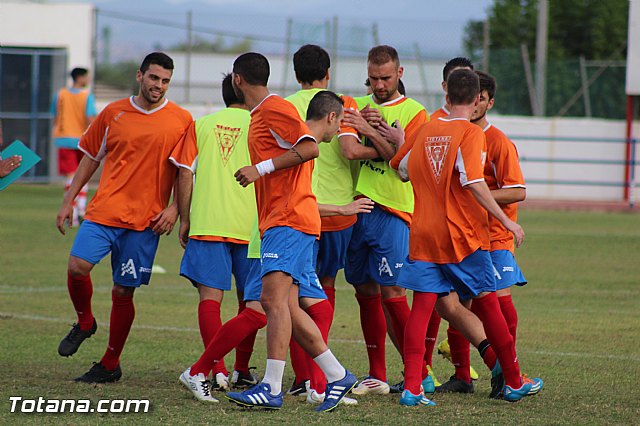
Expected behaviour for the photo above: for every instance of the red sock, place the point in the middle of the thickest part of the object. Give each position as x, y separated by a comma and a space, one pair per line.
299, 363
80, 291
322, 314
228, 337
122, 314
414, 337
432, 337
244, 348
488, 310
210, 322
399, 312
331, 295
510, 314
374, 329
459, 347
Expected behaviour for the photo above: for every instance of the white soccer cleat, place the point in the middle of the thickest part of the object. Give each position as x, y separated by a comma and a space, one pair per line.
198, 385
371, 386
316, 398
220, 382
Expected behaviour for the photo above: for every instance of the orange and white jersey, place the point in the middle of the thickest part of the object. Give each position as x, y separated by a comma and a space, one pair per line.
448, 223
502, 170
284, 197
135, 144
441, 113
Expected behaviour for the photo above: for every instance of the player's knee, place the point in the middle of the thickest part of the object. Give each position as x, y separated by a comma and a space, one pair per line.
368, 289
208, 293
78, 267
390, 292
122, 291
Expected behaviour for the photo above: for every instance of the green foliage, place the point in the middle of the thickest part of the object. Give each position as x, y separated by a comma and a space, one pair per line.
218, 45
120, 75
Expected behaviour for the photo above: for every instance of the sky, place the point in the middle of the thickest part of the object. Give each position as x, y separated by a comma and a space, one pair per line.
432, 27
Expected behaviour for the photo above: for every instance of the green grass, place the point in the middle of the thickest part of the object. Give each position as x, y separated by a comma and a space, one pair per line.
579, 330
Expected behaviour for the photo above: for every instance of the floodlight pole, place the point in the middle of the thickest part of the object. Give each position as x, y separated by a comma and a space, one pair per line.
541, 55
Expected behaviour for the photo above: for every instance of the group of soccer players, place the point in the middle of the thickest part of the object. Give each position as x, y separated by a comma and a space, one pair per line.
282, 194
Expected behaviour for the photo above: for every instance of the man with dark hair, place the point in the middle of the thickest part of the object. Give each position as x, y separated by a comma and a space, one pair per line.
281, 147
456, 63
129, 212
73, 110
216, 216
449, 241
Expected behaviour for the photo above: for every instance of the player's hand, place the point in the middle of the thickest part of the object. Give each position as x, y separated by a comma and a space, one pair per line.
517, 231
393, 135
353, 118
9, 164
165, 220
361, 205
183, 233
247, 175
64, 215
372, 116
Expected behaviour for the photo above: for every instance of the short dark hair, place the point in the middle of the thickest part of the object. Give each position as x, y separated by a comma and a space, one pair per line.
323, 103
156, 58
463, 87
311, 63
78, 72
253, 67
458, 62
228, 94
488, 83
401, 88
382, 54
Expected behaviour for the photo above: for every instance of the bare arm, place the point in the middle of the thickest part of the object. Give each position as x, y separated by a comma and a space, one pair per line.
361, 205
185, 191
86, 169
355, 120
163, 222
509, 195
352, 149
481, 193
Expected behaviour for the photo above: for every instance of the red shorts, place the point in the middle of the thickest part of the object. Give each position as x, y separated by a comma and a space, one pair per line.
68, 160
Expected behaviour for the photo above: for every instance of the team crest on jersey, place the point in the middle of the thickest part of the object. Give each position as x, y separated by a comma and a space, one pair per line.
227, 139
437, 148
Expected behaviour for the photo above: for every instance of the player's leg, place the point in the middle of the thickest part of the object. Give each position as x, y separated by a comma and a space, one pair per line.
507, 274
330, 258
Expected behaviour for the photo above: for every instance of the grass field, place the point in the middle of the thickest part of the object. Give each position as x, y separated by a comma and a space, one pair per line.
579, 330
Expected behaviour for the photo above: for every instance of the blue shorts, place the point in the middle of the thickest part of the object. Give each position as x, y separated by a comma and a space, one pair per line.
331, 252
211, 264
379, 246
472, 276
506, 270
253, 285
288, 250
132, 252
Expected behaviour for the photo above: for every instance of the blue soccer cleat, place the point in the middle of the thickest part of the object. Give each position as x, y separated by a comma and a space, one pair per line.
529, 387
497, 382
410, 400
428, 386
257, 396
335, 391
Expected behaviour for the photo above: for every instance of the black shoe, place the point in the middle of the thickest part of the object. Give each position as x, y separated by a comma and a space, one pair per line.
70, 344
455, 385
99, 374
298, 389
497, 383
241, 380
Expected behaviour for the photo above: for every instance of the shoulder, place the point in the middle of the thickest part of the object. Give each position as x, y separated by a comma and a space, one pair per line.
413, 104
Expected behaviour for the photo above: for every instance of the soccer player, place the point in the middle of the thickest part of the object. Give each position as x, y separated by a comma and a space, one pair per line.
456, 63
129, 212
281, 147
379, 242
449, 239
216, 215
73, 108
332, 183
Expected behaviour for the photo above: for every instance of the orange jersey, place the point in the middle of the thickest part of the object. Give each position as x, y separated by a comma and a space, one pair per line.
284, 197
502, 170
71, 119
448, 223
137, 178
441, 113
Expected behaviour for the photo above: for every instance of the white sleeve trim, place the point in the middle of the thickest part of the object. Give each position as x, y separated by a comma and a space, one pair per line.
518, 185
355, 135
101, 152
192, 167
305, 136
469, 182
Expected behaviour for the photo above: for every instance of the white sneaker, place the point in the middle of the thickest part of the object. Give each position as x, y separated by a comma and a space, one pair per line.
220, 382
316, 398
371, 386
197, 384
242, 380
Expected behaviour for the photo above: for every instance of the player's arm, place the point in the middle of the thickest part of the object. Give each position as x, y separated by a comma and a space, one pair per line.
303, 151
509, 195
185, 192
508, 173
383, 147
86, 169
163, 222
352, 149
361, 205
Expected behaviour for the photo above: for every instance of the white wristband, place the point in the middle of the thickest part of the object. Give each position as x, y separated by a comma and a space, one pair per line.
265, 167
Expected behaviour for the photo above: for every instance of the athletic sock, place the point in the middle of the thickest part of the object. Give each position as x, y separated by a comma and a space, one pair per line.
488, 355
244, 350
432, 337
414, 337
487, 309
322, 314
399, 312
210, 322
80, 290
374, 329
122, 314
331, 296
299, 363
273, 375
228, 337
459, 347
510, 314
331, 367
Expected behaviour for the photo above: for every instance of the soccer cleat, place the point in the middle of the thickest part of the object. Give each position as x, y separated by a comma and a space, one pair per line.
243, 380
72, 341
257, 396
99, 374
371, 386
220, 382
497, 382
529, 387
198, 385
299, 389
336, 391
410, 400
445, 351
427, 385
398, 387
455, 385
316, 398
436, 383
